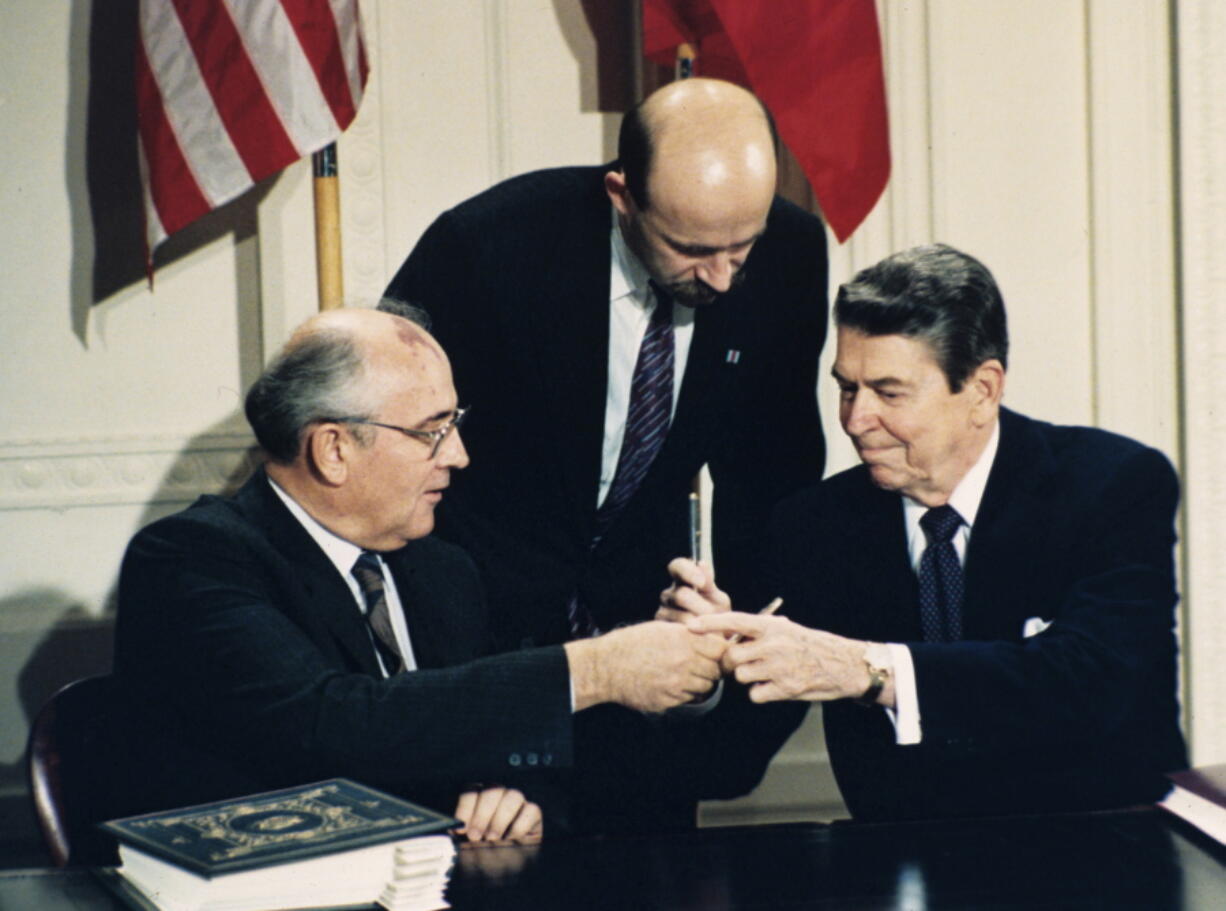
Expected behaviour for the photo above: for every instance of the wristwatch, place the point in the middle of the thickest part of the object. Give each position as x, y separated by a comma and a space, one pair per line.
877, 663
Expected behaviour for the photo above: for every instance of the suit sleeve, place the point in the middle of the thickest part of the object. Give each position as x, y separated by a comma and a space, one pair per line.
210, 632
1108, 656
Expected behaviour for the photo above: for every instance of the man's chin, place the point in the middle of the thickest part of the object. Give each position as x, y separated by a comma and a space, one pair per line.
693, 296
884, 477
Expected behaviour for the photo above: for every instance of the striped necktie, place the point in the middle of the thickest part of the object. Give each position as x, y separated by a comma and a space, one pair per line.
647, 419
369, 573
650, 410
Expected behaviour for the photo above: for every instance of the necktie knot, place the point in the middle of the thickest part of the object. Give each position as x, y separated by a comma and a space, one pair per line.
940, 523
368, 572
663, 312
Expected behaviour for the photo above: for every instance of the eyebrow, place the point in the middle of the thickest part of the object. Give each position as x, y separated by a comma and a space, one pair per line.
437, 416
702, 250
874, 383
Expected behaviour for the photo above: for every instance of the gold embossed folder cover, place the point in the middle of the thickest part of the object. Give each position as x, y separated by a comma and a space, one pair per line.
276, 827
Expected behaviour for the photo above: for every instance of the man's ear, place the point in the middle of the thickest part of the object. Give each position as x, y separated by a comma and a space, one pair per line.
327, 449
619, 193
987, 387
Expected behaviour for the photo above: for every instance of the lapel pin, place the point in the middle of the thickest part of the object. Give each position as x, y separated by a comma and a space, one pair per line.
733, 356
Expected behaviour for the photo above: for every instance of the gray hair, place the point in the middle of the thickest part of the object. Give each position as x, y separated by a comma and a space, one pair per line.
314, 380
936, 294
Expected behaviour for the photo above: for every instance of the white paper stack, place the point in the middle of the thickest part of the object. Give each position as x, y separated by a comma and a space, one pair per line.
419, 878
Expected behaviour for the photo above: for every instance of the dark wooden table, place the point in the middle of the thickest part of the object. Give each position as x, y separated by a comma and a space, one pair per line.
1134, 859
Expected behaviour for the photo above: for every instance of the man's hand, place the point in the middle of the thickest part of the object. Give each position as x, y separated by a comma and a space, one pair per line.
779, 659
650, 666
692, 594
499, 815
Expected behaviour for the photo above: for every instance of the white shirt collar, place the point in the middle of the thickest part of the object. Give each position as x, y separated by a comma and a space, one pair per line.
342, 553
968, 494
966, 499
628, 276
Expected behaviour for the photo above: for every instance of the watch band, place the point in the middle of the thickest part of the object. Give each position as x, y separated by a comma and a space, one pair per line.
878, 675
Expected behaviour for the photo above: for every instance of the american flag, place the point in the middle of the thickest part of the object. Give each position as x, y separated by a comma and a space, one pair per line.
231, 91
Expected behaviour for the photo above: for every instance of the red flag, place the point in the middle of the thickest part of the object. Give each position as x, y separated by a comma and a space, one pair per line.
231, 91
816, 64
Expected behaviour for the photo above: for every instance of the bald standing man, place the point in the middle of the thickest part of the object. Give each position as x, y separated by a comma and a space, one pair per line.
547, 291
253, 640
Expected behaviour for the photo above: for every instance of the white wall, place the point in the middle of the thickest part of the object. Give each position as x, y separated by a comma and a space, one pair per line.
1036, 134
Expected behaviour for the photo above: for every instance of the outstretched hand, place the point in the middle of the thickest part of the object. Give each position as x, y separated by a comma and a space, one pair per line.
778, 658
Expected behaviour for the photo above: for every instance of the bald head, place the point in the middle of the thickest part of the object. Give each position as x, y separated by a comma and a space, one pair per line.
696, 183
710, 132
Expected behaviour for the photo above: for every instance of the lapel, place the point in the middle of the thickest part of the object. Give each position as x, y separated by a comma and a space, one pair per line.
568, 329
702, 387
1008, 537
422, 613
323, 601
883, 595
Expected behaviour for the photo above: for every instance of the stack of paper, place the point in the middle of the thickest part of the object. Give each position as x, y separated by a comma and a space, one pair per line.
419, 880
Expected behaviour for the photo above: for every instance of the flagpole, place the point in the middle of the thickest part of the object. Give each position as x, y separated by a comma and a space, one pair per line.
327, 228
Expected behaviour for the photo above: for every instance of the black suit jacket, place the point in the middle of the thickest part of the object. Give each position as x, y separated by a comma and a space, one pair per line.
242, 649
516, 281
1076, 526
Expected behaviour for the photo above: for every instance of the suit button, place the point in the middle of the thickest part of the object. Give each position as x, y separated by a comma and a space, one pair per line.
515, 759
547, 759
533, 759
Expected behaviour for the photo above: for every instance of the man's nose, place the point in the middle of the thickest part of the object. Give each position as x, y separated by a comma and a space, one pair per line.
717, 271
453, 453
859, 414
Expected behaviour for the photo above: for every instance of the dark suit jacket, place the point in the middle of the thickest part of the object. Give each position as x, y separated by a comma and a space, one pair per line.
1076, 526
517, 283
240, 641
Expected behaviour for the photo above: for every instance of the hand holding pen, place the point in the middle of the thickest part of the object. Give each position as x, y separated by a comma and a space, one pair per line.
695, 594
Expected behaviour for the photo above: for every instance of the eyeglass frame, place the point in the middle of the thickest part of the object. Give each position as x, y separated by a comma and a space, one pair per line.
434, 437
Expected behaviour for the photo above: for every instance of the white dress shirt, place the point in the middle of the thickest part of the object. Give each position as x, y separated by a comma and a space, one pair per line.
965, 499
343, 555
631, 303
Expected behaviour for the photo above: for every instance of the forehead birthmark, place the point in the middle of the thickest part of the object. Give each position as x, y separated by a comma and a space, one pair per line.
414, 338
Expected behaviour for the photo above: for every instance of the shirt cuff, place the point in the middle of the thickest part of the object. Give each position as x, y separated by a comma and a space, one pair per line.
905, 715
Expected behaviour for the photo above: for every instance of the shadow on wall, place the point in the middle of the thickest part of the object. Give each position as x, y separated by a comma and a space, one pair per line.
80, 642
103, 166
606, 77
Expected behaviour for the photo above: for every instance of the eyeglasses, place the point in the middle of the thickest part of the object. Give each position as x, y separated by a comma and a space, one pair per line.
433, 437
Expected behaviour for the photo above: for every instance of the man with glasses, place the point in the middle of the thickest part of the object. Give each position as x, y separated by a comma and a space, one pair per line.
309, 627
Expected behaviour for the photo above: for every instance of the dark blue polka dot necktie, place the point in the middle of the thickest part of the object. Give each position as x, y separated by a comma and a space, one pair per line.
940, 577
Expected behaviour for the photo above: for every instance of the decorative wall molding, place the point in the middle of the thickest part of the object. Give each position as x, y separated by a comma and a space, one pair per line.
122, 470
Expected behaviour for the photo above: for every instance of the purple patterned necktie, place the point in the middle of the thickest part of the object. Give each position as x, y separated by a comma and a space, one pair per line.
651, 405
940, 577
369, 574
647, 419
